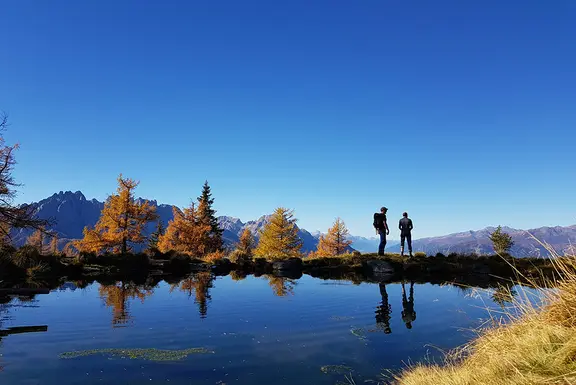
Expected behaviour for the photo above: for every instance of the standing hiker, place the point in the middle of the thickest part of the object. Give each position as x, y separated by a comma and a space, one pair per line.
405, 227
381, 228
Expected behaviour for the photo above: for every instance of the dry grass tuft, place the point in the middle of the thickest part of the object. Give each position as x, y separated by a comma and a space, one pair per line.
536, 347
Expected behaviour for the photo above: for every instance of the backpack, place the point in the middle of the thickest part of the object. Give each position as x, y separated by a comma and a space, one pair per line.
379, 220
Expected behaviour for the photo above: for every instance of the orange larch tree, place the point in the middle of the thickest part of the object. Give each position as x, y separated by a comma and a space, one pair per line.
279, 238
185, 234
121, 222
54, 249
336, 242
36, 240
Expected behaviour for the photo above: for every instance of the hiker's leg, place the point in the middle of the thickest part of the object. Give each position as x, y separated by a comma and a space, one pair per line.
402, 239
382, 245
409, 239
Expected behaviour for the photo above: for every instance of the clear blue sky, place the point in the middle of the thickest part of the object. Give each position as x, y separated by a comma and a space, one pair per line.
461, 112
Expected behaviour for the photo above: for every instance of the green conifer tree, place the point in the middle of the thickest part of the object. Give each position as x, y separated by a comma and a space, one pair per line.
207, 216
501, 241
153, 240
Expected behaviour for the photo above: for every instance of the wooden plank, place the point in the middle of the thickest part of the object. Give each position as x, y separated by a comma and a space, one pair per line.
23, 329
23, 291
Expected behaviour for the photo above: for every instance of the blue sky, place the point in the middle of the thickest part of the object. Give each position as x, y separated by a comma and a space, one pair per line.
460, 112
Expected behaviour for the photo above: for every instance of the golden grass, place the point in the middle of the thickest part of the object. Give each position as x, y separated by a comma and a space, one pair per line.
536, 347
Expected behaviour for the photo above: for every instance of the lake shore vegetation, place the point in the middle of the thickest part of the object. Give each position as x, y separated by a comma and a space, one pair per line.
536, 347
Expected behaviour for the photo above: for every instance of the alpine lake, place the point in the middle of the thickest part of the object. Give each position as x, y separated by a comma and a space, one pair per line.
236, 329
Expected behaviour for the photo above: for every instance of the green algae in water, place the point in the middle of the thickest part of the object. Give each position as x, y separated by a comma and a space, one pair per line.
336, 369
359, 332
139, 354
341, 318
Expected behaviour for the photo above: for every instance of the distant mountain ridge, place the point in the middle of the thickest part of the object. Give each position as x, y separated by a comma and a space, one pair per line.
71, 212
526, 242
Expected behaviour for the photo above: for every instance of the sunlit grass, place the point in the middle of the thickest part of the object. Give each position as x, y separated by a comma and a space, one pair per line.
537, 344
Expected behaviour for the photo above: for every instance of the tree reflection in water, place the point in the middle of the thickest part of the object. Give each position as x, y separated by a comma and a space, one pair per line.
117, 297
281, 286
199, 285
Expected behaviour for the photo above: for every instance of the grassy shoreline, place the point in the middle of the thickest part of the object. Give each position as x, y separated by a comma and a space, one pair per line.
25, 264
538, 347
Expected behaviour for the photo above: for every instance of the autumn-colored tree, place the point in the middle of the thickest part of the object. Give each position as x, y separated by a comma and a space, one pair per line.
244, 249
70, 250
117, 297
155, 236
279, 238
36, 240
246, 243
121, 222
54, 249
185, 233
336, 242
207, 216
11, 215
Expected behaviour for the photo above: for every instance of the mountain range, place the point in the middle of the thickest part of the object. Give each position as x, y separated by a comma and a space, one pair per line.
71, 212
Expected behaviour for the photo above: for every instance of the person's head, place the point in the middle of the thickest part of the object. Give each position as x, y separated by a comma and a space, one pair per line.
405, 214
383, 210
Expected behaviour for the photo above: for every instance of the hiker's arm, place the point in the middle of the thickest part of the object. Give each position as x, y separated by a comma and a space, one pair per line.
411, 225
400, 224
386, 226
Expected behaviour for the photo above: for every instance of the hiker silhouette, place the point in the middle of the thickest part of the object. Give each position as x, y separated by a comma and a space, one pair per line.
383, 311
408, 313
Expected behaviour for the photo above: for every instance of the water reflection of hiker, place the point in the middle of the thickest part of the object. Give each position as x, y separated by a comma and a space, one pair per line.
408, 313
405, 227
383, 311
381, 227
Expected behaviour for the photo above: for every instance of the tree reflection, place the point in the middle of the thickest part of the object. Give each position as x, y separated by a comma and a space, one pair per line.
383, 311
238, 275
117, 297
3, 301
504, 294
199, 285
281, 286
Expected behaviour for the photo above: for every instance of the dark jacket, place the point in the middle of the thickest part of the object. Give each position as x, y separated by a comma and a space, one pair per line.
405, 225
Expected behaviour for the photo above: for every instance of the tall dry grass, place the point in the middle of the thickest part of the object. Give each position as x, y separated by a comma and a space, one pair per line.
537, 346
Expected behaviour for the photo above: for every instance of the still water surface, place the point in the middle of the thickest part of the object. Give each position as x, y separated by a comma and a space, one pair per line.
260, 330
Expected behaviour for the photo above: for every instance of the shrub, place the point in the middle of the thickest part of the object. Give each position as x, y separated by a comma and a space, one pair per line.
440, 255
420, 254
37, 270
239, 257
214, 256
178, 263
